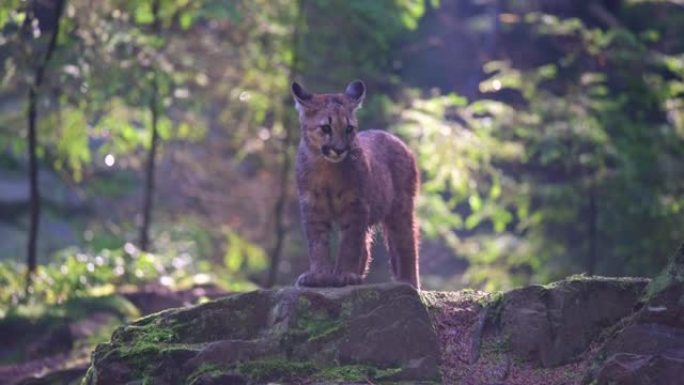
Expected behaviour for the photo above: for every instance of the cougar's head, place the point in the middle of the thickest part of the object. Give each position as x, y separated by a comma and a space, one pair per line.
328, 121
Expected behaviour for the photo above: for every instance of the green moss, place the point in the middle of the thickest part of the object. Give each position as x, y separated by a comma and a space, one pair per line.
139, 349
152, 333
347, 308
369, 295
144, 349
673, 273
328, 330
157, 334
356, 373
205, 369
90, 376
386, 373
275, 369
364, 297
493, 304
492, 300
315, 324
358, 300
345, 373
668, 277
178, 348
625, 283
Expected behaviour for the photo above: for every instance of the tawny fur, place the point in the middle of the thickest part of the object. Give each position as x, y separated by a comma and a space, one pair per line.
355, 180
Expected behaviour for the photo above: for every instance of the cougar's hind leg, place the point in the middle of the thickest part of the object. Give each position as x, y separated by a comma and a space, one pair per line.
391, 250
402, 237
365, 260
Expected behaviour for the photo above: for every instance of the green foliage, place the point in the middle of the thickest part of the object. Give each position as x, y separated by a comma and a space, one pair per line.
371, 30
241, 254
561, 182
73, 273
567, 160
21, 326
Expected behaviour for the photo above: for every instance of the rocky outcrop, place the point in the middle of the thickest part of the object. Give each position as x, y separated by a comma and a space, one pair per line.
534, 335
648, 347
549, 326
582, 330
376, 332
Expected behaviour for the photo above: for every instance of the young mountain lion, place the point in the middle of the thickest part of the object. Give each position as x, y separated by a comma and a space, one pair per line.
354, 180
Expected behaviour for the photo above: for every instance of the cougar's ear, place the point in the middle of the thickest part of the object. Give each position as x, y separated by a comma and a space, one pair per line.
302, 96
356, 91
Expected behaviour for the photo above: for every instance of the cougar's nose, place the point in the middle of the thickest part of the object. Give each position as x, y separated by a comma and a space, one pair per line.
335, 152
326, 150
339, 151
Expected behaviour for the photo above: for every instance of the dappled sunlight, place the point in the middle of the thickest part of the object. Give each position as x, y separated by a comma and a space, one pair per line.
148, 150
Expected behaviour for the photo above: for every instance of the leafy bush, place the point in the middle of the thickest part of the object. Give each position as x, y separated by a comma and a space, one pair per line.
76, 273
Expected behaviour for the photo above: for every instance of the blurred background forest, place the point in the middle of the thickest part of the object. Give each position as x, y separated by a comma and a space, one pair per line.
151, 142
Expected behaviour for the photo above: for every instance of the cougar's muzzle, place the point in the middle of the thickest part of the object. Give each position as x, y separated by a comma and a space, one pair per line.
334, 154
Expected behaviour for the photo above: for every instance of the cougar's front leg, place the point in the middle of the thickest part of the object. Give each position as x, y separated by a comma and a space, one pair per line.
317, 228
353, 251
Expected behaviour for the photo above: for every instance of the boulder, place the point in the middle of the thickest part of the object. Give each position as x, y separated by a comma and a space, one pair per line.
638, 369
336, 335
536, 335
552, 325
648, 348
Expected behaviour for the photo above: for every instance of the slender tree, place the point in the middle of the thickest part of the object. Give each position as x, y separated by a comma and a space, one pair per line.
150, 168
593, 215
52, 24
286, 160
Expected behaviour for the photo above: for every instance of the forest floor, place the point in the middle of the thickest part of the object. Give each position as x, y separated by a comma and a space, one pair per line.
76, 361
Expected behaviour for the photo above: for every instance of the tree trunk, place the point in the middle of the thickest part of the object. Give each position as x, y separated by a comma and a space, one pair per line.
285, 165
280, 229
150, 174
31, 255
592, 257
150, 168
34, 189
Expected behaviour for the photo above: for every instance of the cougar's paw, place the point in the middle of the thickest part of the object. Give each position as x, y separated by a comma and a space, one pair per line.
316, 279
346, 279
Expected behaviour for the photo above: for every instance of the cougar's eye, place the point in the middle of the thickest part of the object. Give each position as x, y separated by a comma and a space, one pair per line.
326, 129
350, 129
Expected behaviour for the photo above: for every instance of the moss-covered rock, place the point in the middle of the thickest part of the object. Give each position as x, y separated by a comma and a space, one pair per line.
581, 330
552, 325
536, 335
648, 347
360, 333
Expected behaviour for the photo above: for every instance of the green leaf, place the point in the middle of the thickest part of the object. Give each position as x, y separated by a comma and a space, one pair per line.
143, 13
